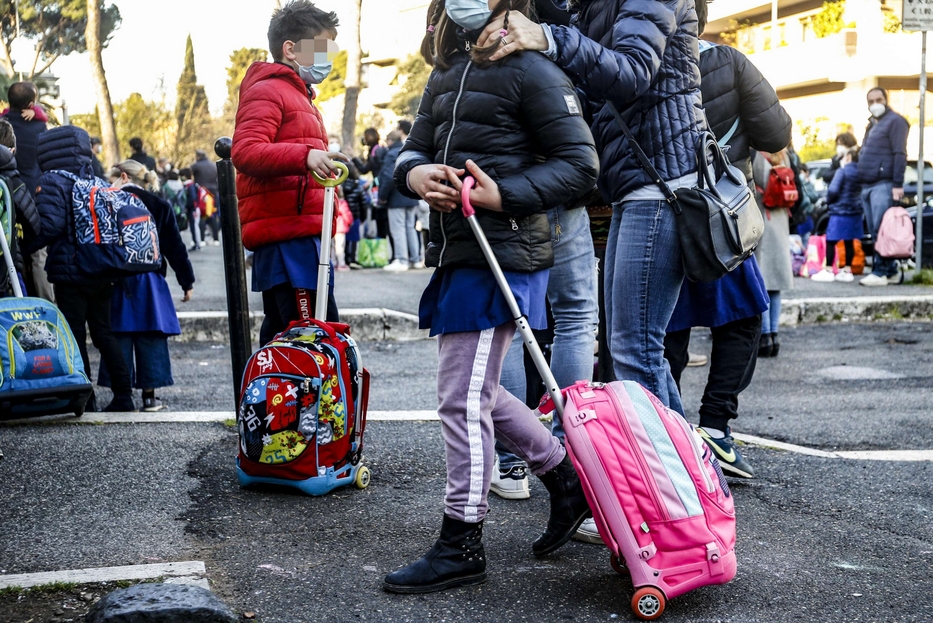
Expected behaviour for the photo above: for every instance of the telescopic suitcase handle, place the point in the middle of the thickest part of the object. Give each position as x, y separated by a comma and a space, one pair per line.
520, 321
327, 233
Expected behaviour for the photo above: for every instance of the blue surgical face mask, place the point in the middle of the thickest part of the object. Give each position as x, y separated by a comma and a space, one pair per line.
469, 14
314, 74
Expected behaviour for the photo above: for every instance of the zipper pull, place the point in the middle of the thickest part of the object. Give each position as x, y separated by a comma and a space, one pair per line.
557, 229
468, 46
514, 224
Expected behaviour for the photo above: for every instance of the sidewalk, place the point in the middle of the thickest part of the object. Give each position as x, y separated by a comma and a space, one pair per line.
381, 305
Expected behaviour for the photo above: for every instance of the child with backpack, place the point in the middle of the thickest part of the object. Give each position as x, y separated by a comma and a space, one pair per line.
279, 142
143, 310
529, 149
64, 154
845, 218
174, 192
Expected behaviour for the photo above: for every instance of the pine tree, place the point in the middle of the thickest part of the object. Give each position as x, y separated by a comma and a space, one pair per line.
191, 111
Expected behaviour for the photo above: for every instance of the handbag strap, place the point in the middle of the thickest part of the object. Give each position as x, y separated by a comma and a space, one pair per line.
643, 159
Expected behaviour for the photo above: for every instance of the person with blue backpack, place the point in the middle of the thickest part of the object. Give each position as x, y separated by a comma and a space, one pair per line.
143, 310
64, 154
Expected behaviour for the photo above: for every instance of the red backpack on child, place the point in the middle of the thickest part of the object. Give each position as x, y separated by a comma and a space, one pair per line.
781, 190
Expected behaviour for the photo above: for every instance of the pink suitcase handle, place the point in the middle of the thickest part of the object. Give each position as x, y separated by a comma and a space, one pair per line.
468, 184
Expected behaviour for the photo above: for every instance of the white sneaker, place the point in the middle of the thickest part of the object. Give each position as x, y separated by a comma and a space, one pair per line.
418, 266
695, 360
587, 532
896, 280
824, 276
510, 485
845, 276
874, 281
395, 266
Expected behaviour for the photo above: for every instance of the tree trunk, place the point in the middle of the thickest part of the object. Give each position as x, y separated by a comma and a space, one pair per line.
352, 82
108, 128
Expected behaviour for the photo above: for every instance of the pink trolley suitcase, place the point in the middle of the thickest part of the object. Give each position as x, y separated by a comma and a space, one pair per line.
659, 497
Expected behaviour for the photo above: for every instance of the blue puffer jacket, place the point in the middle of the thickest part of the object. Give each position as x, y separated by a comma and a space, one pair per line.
642, 55
883, 156
68, 148
844, 195
389, 195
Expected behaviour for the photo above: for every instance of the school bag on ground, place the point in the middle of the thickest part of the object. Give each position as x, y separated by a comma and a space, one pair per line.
114, 232
816, 256
658, 496
896, 235
781, 189
42, 371
303, 401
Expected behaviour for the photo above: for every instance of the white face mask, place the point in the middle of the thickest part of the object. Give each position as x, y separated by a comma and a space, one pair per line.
877, 110
841, 150
469, 14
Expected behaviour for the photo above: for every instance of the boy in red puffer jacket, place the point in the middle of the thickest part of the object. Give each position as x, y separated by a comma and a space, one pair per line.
279, 141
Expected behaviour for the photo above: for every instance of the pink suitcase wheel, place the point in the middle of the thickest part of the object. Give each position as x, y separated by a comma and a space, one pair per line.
648, 603
618, 565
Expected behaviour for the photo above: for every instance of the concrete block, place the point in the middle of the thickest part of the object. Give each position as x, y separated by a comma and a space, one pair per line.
160, 603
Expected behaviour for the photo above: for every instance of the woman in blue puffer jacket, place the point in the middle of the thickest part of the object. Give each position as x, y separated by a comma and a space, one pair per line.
641, 56
845, 218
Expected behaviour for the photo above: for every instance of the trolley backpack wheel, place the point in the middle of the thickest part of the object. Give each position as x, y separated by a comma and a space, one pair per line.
648, 603
618, 564
362, 477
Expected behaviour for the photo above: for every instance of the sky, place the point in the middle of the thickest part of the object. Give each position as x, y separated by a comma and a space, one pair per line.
149, 48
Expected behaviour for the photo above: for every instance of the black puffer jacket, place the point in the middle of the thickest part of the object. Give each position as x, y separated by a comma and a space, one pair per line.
520, 121
25, 216
734, 91
642, 56
68, 148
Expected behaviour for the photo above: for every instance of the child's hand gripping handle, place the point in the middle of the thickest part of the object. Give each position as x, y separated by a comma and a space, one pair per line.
327, 232
468, 184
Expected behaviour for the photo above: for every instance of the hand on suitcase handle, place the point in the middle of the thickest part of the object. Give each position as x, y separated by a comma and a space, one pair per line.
468, 183
333, 181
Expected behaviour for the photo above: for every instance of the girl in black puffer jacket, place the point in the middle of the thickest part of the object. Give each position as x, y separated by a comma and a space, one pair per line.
516, 127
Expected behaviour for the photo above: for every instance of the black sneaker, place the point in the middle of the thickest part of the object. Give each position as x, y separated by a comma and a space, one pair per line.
725, 450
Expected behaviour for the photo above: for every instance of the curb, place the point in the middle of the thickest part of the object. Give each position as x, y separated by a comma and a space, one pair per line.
368, 325
855, 309
371, 324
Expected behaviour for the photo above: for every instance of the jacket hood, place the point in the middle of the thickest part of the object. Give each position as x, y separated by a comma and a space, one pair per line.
68, 148
260, 71
7, 160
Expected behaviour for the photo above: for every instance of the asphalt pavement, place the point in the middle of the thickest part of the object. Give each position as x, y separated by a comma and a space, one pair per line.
819, 539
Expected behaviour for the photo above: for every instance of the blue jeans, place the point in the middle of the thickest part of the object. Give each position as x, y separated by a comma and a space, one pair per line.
644, 272
876, 199
405, 242
571, 291
771, 316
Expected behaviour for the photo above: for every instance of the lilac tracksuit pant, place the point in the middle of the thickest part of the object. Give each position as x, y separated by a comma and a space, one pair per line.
475, 411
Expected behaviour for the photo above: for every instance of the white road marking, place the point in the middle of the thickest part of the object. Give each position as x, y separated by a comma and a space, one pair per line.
431, 416
192, 570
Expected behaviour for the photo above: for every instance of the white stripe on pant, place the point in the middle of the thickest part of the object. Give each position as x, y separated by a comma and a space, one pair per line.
474, 410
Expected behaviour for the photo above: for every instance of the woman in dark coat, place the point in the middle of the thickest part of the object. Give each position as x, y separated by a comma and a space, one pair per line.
143, 310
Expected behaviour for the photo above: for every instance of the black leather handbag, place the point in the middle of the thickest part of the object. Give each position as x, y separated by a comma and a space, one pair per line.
718, 220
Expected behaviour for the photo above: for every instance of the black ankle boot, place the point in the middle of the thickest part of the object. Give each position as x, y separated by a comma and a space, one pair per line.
457, 559
775, 345
766, 345
568, 508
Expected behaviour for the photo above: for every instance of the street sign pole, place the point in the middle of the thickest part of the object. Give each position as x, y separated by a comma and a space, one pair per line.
917, 16
920, 179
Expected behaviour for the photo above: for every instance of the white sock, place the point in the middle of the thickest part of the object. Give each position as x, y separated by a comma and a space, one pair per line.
715, 433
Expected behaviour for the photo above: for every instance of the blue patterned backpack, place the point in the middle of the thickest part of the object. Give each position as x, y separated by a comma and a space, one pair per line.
115, 233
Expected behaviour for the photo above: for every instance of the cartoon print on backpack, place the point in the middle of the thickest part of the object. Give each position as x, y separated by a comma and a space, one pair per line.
277, 419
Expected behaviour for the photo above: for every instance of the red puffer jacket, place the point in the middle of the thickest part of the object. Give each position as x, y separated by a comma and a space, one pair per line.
276, 127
